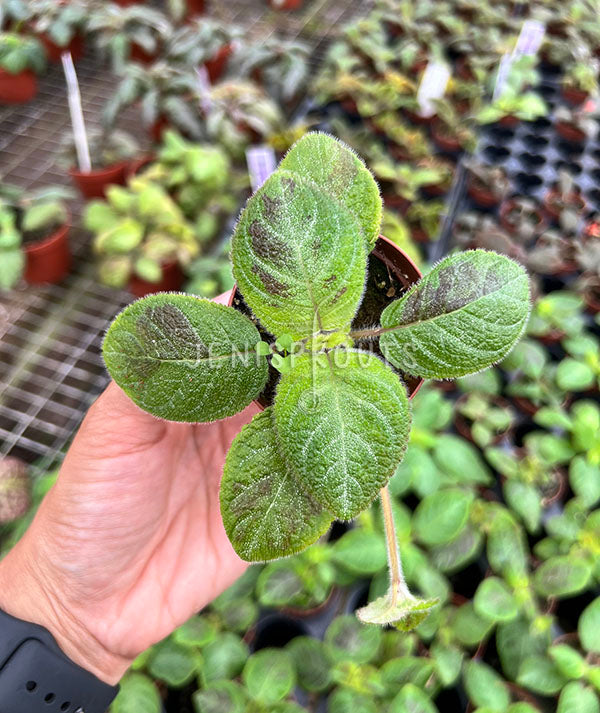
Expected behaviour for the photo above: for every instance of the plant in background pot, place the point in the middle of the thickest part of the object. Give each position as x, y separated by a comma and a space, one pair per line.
21, 59
521, 217
450, 130
136, 33
552, 254
141, 237
580, 80
281, 66
167, 95
339, 422
241, 113
564, 203
406, 142
204, 42
483, 419
199, 179
486, 185
34, 228
424, 219
209, 276
111, 152
555, 315
575, 125
61, 26
587, 259
401, 181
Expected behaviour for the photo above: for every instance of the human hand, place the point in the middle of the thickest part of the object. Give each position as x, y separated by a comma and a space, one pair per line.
129, 542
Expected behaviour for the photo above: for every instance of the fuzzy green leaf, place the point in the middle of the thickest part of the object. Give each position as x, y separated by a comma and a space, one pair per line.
404, 611
347, 640
137, 693
485, 687
185, 359
541, 675
440, 517
265, 511
412, 699
494, 600
269, 675
343, 419
464, 316
221, 697
335, 167
589, 627
562, 576
173, 663
299, 257
312, 665
577, 698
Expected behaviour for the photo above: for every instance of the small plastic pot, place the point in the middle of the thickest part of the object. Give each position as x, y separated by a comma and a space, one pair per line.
136, 166
17, 88
127, 3
573, 95
393, 200
216, 66
575, 200
195, 7
286, 4
570, 132
505, 222
53, 51
49, 259
591, 297
138, 54
449, 144
157, 129
418, 235
417, 119
482, 195
171, 281
510, 121
404, 269
464, 70
94, 183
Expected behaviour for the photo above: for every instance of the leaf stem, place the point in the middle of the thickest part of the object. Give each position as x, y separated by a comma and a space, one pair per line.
398, 585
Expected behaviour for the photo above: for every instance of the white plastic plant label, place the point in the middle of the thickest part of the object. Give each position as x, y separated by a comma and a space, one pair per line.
530, 38
261, 164
433, 86
203, 81
503, 71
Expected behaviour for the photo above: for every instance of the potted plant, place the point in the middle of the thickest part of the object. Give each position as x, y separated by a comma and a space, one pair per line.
60, 25
552, 254
487, 185
564, 203
13, 14
167, 95
521, 218
483, 419
129, 33
281, 66
241, 113
401, 181
141, 237
288, 5
34, 229
209, 276
587, 259
21, 58
575, 125
424, 219
198, 178
203, 42
556, 315
300, 239
579, 81
111, 152
450, 131
406, 143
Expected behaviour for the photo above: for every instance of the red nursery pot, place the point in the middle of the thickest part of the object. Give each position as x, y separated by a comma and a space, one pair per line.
216, 66
573, 95
446, 143
126, 3
195, 7
95, 183
172, 280
286, 4
403, 268
509, 121
570, 133
505, 210
53, 51
17, 88
482, 195
576, 201
48, 260
138, 54
156, 130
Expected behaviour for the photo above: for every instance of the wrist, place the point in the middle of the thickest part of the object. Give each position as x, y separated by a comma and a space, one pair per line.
29, 592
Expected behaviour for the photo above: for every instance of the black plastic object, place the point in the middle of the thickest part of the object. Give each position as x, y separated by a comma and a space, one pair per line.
36, 676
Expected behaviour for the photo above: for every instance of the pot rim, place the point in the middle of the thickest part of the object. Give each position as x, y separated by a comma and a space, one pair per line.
55, 237
98, 172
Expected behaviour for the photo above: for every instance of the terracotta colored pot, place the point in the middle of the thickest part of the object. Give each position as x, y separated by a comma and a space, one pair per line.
417, 119
525, 405
505, 210
138, 54
510, 121
157, 129
349, 106
418, 235
435, 190
127, 3
195, 7
172, 280
393, 200
573, 95
285, 4
570, 133
95, 183
463, 70
404, 269
17, 88
48, 260
575, 200
76, 47
136, 166
446, 143
482, 195
552, 337
591, 298
216, 66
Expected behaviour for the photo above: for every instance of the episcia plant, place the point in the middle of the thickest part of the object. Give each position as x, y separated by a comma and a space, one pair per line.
339, 422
